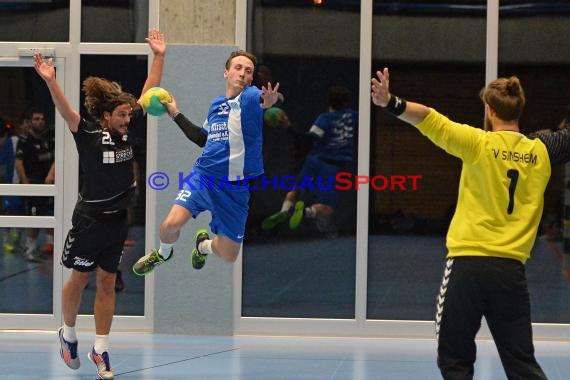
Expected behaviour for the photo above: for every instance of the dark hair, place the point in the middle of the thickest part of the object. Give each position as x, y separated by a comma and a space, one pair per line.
338, 97
102, 95
506, 97
239, 53
31, 111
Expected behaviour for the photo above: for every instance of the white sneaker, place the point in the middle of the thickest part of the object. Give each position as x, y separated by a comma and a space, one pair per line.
68, 351
103, 364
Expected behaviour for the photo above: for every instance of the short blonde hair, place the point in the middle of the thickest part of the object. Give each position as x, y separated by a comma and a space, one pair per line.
506, 97
239, 53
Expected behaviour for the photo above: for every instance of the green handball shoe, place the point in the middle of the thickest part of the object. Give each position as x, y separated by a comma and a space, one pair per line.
147, 263
198, 259
274, 220
297, 216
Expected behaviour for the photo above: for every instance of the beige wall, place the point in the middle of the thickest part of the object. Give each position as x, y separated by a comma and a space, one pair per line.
211, 22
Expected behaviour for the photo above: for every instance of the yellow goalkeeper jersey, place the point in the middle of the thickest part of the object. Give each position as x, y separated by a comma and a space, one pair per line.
501, 190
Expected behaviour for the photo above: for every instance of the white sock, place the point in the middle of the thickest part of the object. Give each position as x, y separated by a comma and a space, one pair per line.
30, 244
205, 247
165, 250
310, 212
101, 343
287, 204
69, 333
49, 239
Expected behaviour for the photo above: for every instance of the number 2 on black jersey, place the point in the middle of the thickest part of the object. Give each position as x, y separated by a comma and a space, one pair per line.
514, 177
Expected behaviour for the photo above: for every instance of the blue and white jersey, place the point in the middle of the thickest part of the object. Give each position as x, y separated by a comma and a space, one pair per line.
335, 133
234, 128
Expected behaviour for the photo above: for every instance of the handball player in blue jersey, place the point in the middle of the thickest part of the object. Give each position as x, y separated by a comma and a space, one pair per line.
333, 133
232, 141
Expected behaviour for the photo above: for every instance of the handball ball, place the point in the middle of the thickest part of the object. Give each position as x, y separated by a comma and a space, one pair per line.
151, 101
274, 116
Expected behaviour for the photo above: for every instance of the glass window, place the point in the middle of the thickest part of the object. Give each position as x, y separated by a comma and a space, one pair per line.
436, 56
114, 20
540, 57
34, 20
130, 72
27, 154
27, 283
300, 250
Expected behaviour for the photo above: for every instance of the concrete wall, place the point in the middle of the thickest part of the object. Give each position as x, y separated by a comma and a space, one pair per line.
198, 21
186, 300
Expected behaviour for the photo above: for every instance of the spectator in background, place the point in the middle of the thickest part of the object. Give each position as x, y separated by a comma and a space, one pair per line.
35, 165
11, 204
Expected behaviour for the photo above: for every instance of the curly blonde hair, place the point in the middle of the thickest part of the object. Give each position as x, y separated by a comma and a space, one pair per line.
104, 95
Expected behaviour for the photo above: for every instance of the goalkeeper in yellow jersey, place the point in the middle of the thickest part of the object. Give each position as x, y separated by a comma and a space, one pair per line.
499, 206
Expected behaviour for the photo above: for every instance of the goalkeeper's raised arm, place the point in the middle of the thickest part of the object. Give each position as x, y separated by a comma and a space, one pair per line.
409, 112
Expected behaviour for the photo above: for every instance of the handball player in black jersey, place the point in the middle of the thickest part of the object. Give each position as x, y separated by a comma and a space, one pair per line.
99, 223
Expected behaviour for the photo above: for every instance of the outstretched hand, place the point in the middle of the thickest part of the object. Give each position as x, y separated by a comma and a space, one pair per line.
156, 42
171, 106
270, 95
381, 88
45, 69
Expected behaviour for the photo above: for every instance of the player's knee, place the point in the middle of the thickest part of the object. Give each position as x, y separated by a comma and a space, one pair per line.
105, 282
324, 211
226, 249
171, 225
231, 256
80, 279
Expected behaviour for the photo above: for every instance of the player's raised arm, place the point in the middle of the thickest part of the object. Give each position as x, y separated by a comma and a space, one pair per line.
409, 112
46, 70
157, 44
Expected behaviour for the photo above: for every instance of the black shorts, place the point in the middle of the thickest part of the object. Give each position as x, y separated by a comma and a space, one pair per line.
95, 240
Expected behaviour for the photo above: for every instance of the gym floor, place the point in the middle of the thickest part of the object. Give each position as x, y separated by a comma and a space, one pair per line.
35, 355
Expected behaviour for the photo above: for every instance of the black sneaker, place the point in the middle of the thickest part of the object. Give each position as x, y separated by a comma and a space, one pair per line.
198, 259
147, 263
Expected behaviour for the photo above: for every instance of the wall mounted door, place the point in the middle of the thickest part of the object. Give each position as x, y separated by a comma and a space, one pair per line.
31, 195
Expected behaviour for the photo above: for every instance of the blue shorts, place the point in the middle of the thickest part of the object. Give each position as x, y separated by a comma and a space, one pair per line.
227, 202
322, 176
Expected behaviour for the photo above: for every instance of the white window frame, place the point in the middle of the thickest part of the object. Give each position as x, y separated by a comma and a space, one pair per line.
68, 63
360, 326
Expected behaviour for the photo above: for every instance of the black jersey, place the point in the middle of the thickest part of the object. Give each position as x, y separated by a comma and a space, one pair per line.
106, 165
37, 153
